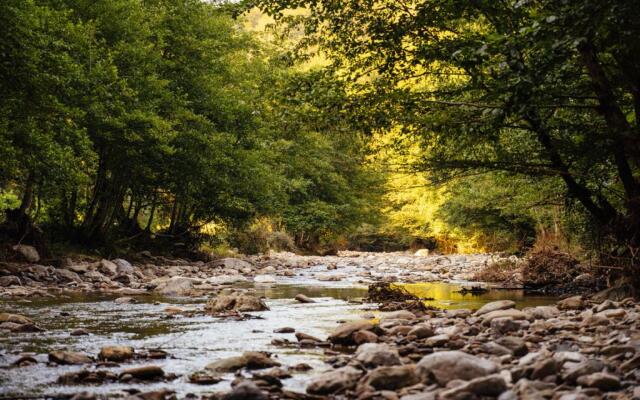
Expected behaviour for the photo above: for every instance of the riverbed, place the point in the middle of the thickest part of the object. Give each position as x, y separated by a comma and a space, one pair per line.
194, 341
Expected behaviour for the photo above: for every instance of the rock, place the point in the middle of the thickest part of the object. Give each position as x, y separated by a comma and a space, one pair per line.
571, 303
303, 299
584, 368
176, 286
361, 337
392, 377
343, 334
15, 318
631, 364
249, 360
10, 280
545, 368
205, 378
66, 275
334, 381
303, 336
495, 306
246, 390
233, 263
449, 365
421, 331
377, 354
107, 268
264, 279
544, 312
284, 330
242, 302
146, 373
68, 357
225, 279
95, 276
79, 332
402, 314
124, 266
116, 353
489, 386
29, 253
516, 345
600, 380
511, 313
437, 340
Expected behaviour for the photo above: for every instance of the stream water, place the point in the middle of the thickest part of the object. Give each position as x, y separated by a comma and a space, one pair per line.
193, 342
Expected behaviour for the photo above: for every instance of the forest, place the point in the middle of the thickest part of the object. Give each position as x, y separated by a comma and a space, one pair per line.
319, 126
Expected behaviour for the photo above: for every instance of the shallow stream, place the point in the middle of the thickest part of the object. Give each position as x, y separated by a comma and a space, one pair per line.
193, 342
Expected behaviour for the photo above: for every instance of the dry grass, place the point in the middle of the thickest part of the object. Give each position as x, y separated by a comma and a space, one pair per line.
548, 267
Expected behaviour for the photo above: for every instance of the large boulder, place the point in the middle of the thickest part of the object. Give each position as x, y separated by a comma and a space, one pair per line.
446, 366
237, 301
377, 354
343, 334
334, 381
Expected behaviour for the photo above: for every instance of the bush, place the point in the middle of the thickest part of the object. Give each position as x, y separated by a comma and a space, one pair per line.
549, 267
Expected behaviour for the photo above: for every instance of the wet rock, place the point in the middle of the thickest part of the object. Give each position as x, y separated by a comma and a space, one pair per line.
284, 330
176, 286
79, 332
600, 380
69, 358
249, 360
28, 253
361, 337
146, 373
116, 353
377, 354
571, 303
392, 377
242, 302
495, 306
449, 365
246, 390
303, 299
303, 336
334, 381
15, 318
343, 334
492, 385
205, 378
87, 377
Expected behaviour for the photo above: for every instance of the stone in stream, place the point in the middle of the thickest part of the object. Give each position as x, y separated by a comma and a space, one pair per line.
249, 360
15, 318
205, 378
334, 381
343, 334
237, 301
377, 354
146, 373
246, 390
361, 337
124, 300
495, 306
446, 366
69, 358
392, 377
176, 286
79, 332
303, 336
303, 299
116, 353
286, 329
264, 279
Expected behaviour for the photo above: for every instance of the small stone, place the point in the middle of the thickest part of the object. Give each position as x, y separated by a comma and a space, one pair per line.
392, 377
124, 300
571, 303
246, 390
490, 386
204, 378
361, 337
334, 381
495, 306
284, 330
146, 373
421, 331
510, 313
68, 357
79, 332
377, 354
344, 333
445, 366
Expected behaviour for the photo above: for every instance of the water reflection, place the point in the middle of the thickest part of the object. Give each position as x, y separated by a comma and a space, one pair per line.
449, 296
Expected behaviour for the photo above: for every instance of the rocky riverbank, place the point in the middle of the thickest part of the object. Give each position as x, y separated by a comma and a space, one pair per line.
145, 273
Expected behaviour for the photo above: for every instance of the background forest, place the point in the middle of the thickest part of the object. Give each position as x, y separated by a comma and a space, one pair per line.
181, 125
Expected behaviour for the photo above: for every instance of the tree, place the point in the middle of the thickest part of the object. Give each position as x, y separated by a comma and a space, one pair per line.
538, 88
